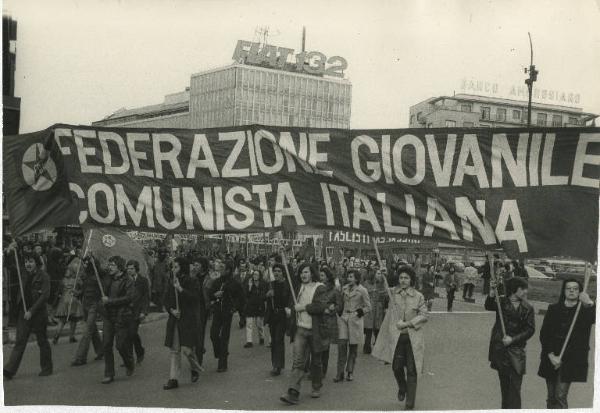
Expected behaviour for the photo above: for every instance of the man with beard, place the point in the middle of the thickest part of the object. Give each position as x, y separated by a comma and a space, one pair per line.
36, 289
278, 299
226, 297
118, 317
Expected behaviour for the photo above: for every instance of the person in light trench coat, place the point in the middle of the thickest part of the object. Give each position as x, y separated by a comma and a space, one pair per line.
401, 340
356, 303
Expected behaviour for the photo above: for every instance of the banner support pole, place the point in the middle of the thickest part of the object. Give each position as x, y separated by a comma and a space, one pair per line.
20, 280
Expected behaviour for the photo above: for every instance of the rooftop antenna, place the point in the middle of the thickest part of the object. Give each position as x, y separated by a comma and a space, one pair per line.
303, 38
261, 33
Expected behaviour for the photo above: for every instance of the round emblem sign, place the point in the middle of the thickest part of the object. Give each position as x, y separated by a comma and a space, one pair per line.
108, 241
39, 170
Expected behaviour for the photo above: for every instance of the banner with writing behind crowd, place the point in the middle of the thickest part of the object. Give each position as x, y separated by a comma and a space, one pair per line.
533, 192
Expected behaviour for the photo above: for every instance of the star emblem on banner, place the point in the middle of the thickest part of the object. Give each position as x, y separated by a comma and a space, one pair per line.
108, 240
39, 170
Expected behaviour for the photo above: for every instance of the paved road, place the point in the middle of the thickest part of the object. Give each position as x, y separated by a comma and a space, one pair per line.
457, 375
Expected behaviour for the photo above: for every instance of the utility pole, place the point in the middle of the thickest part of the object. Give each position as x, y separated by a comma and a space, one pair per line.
529, 82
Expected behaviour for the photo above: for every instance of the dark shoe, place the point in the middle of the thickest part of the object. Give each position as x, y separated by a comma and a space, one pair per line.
222, 366
108, 380
171, 384
261, 341
78, 363
8, 375
72, 340
45, 373
315, 394
130, 370
276, 372
248, 345
367, 349
140, 359
338, 379
99, 357
401, 394
350, 377
195, 376
291, 397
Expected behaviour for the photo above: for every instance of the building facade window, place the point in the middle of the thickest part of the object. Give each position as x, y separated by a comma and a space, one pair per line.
450, 123
541, 119
556, 120
465, 107
468, 124
412, 119
516, 114
573, 120
501, 115
485, 112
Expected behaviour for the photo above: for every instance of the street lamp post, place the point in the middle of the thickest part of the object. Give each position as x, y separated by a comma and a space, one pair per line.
529, 82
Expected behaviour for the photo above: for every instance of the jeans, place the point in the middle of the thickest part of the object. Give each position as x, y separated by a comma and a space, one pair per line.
121, 332
404, 359
468, 290
176, 351
36, 325
557, 393
510, 388
303, 340
90, 333
277, 327
219, 333
251, 324
450, 296
202, 321
346, 357
136, 339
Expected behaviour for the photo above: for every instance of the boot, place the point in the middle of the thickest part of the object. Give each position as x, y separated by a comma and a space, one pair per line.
222, 366
411, 394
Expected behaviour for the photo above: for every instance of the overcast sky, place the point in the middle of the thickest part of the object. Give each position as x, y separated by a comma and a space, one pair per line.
78, 61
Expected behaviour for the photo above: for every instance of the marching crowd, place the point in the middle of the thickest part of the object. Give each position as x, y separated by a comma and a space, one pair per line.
317, 304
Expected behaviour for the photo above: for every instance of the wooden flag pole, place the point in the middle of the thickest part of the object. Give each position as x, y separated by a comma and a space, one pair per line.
20, 280
387, 287
493, 275
287, 273
98, 277
586, 281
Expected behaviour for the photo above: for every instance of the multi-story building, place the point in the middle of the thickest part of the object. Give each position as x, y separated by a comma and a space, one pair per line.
11, 105
241, 94
482, 111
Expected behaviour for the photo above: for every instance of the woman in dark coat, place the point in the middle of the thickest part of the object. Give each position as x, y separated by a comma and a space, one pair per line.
333, 310
255, 291
574, 364
182, 297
